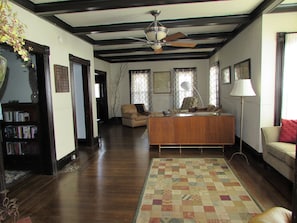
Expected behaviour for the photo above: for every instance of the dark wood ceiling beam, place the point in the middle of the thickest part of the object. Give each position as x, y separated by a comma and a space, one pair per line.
162, 55
202, 36
285, 8
148, 49
25, 4
48, 9
205, 21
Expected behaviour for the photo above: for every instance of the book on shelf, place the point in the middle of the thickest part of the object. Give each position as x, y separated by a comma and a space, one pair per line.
16, 116
21, 148
20, 132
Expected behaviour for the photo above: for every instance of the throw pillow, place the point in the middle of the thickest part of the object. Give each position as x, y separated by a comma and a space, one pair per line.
140, 108
288, 132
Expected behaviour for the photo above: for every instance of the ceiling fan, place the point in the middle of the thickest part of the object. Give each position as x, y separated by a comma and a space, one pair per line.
156, 36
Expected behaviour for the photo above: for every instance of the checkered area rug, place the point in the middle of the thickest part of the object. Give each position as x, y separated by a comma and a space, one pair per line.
189, 190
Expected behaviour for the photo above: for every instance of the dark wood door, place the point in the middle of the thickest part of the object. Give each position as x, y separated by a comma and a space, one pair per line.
101, 96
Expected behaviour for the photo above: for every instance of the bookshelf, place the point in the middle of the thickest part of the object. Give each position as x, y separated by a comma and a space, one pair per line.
21, 136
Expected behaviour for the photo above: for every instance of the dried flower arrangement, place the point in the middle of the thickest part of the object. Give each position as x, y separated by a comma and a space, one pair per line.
12, 30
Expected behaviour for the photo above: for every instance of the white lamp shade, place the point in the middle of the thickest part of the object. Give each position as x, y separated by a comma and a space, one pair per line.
185, 85
243, 87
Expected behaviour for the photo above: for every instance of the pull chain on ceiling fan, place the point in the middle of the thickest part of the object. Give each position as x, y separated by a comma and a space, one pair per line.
156, 35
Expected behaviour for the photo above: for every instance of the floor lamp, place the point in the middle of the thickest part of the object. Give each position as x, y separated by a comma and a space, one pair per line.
186, 86
242, 88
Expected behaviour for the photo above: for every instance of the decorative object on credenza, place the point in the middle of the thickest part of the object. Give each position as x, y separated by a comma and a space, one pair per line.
242, 88
242, 70
226, 75
187, 86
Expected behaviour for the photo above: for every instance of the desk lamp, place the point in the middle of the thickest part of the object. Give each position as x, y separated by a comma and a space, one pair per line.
186, 86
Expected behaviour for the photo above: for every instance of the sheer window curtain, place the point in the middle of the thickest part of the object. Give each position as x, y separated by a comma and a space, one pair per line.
140, 87
289, 92
181, 75
214, 84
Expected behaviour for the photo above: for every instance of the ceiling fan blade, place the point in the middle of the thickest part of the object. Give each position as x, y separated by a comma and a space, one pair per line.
138, 39
174, 36
182, 44
158, 51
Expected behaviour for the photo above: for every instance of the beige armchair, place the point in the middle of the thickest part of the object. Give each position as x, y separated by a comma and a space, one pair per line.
273, 215
134, 115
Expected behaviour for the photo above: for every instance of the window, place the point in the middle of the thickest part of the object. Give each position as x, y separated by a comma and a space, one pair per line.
97, 90
214, 90
140, 87
181, 75
286, 78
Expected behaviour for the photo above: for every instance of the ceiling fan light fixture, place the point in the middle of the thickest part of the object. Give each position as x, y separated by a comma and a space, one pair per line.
155, 33
156, 46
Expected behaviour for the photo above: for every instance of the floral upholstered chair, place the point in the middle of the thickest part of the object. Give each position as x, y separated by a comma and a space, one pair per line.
189, 103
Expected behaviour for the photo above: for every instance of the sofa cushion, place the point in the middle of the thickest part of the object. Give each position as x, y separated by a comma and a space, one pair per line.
141, 117
282, 151
288, 132
129, 115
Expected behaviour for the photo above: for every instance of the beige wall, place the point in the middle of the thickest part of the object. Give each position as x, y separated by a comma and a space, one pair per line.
244, 46
257, 42
61, 44
160, 102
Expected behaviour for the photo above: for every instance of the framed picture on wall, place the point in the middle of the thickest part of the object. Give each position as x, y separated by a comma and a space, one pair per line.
242, 70
161, 82
226, 75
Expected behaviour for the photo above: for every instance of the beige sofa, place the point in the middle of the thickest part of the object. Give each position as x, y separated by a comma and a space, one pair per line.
279, 155
131, 117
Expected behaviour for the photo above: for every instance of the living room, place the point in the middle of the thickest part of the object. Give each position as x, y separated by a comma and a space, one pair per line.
257, 42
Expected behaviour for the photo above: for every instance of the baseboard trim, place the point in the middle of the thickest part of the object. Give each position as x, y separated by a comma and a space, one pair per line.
250, 150
65, 160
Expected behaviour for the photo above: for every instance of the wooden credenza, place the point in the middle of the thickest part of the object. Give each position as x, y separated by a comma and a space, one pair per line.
207, 129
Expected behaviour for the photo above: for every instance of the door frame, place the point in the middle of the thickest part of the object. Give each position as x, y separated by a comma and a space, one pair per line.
48, 156
87, 92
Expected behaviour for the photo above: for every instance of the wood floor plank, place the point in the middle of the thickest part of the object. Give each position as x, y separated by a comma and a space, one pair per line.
109, 181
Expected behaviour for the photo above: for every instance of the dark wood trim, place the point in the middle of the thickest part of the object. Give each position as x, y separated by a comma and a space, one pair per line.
46, 107
280, 48
2, 173
94, 5
222, 20
50, 11
87, 98
156, 57
65, 160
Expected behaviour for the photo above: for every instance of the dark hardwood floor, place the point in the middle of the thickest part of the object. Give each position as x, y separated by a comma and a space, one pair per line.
108, 183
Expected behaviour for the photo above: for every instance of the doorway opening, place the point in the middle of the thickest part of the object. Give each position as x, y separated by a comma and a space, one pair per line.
101, 96
81, 101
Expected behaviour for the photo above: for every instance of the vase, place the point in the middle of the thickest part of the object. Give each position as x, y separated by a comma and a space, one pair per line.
3, 67
34, 97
